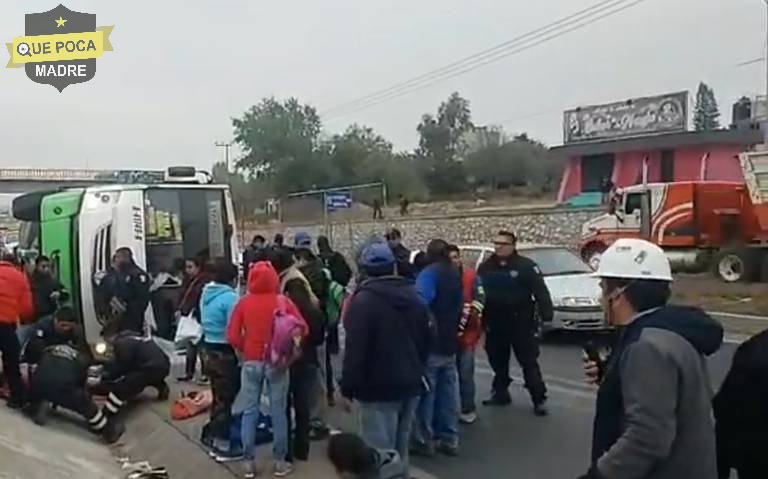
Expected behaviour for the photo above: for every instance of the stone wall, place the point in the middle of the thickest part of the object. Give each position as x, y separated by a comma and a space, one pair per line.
561, 226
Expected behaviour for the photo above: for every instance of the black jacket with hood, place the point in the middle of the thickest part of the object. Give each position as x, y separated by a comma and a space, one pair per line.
654, 414
387, 341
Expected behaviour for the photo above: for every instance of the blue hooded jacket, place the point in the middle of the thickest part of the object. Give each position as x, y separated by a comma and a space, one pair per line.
216, 305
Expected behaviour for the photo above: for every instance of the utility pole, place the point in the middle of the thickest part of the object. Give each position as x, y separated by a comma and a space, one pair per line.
228, 145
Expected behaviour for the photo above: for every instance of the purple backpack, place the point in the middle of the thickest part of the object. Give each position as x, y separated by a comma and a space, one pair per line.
287, 332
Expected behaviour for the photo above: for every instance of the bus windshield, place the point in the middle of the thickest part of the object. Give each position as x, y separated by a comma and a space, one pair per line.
184, 223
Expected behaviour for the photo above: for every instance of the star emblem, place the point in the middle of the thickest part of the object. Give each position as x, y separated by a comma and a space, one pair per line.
60, 22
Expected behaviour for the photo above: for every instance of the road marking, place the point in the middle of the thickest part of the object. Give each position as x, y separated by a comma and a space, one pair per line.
738, 316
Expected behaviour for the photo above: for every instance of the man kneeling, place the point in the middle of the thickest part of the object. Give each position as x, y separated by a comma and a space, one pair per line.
59, 379
137, 363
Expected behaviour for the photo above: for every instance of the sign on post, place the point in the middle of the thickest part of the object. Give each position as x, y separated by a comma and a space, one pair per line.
338, 200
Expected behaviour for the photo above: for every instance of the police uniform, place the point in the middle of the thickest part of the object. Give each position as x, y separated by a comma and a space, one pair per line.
60, 377
511, 286
137, 363
131, 289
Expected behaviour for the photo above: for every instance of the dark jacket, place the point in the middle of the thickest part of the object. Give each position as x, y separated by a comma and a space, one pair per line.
511, 286
295, 286
135, 353
45, 336
130, 287
654, 414
439, 286
61, 368
404, 266
741, 411
189, 303
337, 265
252, 255
318, 281
43, 286
387, 341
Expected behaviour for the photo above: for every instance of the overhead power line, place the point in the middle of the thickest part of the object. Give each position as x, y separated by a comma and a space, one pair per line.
521, 43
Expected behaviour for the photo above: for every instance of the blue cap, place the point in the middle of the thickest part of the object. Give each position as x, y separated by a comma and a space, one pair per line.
302, 239
377, 259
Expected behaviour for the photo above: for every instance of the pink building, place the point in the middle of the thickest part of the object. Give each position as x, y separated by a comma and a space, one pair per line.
670, 157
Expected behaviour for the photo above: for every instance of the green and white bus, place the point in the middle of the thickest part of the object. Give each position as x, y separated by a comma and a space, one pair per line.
163, 223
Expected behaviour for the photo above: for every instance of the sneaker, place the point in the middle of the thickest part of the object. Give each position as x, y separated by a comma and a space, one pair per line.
421, 449
250, 470
541, 409
468, 417
40, 413
448, 449
498, 399
282, 469
163, 392
229, 456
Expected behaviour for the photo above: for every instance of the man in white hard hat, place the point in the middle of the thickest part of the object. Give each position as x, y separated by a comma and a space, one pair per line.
654, 412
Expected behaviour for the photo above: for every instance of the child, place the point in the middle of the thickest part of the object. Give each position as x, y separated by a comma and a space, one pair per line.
353, 459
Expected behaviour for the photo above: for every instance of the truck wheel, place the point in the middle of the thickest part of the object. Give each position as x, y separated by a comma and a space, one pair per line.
734, 265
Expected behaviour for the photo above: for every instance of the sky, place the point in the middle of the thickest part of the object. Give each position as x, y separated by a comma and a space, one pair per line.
182, 69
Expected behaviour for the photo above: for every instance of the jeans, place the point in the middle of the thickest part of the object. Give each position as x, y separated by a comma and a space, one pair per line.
11, 352
252, 378
387, 425
465, 362
438, 410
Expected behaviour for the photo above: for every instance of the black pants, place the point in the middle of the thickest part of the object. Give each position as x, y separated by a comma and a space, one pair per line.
518, 335
222, 368
11, 351
133, 383
302, 382
191, 355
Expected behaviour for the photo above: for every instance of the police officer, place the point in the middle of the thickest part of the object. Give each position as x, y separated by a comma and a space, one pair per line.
129, 291
137, 362
512, 283
63, 358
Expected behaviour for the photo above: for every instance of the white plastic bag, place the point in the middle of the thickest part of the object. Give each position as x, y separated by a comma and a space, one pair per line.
189, 330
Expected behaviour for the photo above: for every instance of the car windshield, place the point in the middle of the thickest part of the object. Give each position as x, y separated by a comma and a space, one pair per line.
556, 261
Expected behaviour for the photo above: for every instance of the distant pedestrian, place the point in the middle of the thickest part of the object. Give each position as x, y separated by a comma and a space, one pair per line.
377, 214
256, 251
387, 345
16, 305
404, 203
470, 332
402, 254
741, 412
512, 282
606, 189
354, 459
654, 411
439, 286
334, 261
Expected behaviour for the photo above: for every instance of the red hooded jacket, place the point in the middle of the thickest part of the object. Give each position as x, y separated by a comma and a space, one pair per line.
16, 303
250, 329
474, 298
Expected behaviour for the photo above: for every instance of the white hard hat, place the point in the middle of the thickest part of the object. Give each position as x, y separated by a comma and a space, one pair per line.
632, 258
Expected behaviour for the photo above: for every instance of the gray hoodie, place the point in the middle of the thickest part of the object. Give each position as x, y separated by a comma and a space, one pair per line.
654, 409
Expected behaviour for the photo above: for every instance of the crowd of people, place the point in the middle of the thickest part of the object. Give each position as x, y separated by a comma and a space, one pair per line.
392, 336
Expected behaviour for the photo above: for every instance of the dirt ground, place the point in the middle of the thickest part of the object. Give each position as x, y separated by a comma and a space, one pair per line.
714, 295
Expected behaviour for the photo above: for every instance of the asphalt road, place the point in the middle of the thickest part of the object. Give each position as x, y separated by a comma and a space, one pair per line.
512, 442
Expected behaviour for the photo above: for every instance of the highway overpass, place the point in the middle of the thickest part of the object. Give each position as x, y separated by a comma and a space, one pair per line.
23, 180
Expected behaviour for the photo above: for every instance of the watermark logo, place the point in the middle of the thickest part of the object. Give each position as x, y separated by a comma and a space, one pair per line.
59, 47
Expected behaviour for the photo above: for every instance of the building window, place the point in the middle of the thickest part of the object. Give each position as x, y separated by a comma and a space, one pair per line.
667, 166
594, 169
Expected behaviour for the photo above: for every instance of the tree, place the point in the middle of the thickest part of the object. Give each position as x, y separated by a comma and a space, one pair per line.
706, 114
279, 139
441, 144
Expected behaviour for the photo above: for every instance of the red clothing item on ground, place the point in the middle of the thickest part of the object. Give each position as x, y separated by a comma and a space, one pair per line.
250, 329
474, 330
16, 303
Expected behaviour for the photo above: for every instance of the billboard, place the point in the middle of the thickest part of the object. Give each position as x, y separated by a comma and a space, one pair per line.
635, 117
